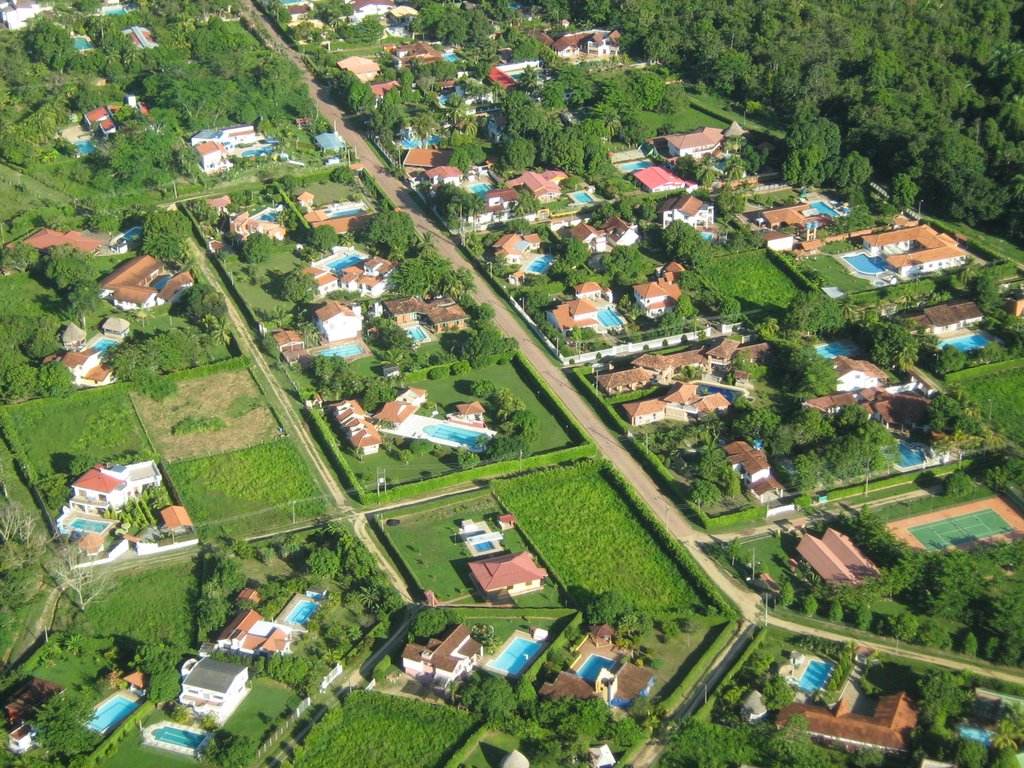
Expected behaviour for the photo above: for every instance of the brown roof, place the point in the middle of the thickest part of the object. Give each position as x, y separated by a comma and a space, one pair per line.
658, 288
175, 517
395, 412
688, 204
567, 685
287, 338
844, 365
51, 238
441, 653
698, 138
138, 271
889, 728
249, 594
755, 352
674, 361
588, 287
32, 695
641, 408
177, 283
91, 543
332, 309
623, 378
133, 294
437, 311
950, 313
504, 571
426, 158
725, 350
631, 680
743, 453
901, 409
469, 409
219, 202
240, 625
575, 314
835, 558
136, 678
829, 403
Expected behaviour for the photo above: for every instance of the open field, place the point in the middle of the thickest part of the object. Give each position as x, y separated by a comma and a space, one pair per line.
586, 532
833, 273
751, 278
250, 490
372, 730
961, 526
491, 750
232, 398
1005, 392
685, 118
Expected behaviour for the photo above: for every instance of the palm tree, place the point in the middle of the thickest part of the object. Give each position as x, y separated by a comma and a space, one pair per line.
219, 329
706, 174
1007, 734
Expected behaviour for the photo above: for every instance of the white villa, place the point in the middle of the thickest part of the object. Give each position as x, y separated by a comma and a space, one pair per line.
443, 661
688, 209
336, 321
211, 687
916, 250
105, 488
854, 375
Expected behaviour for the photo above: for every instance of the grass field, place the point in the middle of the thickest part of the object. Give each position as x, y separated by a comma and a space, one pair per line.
121, 614
589, 536
250, 490
426, 543
1004, 391
371, 730
833, 273
685, 118
260, 294
99, 426
751, 278
491, 750
230, 397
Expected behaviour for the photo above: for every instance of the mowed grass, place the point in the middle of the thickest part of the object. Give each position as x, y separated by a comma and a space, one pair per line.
1002, 395
684, 118
100, 425
230, 397
246, 491
833, 273
155, 605
373, 730
586, 532
751, 278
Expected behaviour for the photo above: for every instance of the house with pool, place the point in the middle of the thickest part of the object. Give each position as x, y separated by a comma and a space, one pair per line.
685, 401
545, 185
688, 209
143, 282
106, 488
947, 318
357, 427
596, 314
212, 687
852, 375
888, 728
514, 249
445, 660
248, 633
337, 321
914, 250
439, 315
87, 369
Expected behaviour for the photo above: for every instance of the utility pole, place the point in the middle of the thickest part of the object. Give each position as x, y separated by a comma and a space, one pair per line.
382, 480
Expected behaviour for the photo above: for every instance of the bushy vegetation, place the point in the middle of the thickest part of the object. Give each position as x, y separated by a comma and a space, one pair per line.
751, 278
1001, 394
592, 540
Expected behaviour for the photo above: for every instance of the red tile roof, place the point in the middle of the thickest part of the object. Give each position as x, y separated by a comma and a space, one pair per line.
504, 571
175, 517
97, 480
889, 728
51, 238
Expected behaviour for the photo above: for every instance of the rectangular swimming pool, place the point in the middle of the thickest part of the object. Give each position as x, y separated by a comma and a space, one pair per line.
866, 264
609, 318
111, 712
346, 350
910, 455
342, 262
300, 613
88, 526
974, 734
342, 213
416, 333
484, 546
540, 265
85, 146
836, 348
104, 344
592, 666
815, 676
480, 187
179, 737
635, 165
470, 438
966, 343
581, 197
516, 656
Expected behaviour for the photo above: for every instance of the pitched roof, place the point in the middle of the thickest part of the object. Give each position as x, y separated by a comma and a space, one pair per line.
950, 313
747, 456
588, 287
212, 675
889, 727
332, 309
655, 176
676, 360
240, 624
845, 365
623, 378
136, 678
359, 65
828, 403
687, 204
71, 334
115, 325
725, 349
543, 183
379, 89
137, 271
33, 694
427, 158
249, 594
394, 411
504, 571
179, 282
658, 288
631, 681
567, 685
287, 338
693, 139
835, 558
97, 480
469, 409
175, 517
51, 238
573, 314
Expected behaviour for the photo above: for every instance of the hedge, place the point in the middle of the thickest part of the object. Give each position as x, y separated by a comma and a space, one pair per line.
629, 397
889, 482
748, 515
289, 201
229, 286
523, 366
378, 192
786, 264
705, 711
329, 442
109, 744
530, 674
461, 755
981, 371
674, 700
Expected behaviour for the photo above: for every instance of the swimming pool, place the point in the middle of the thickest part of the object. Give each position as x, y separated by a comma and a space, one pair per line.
343, 213
88, 526
111, 712
592, 666
966, 343
975, 734
825, 209
300, 613
257, 152
450, 57
516, 656
348, 260
815, 676
540, 265
728, 394
484, 546
582, 198
911, 454
346, 350
480, 188
85, 147
118, 11
410, 143
267, 216
635, 165
836, 348
132, 234
179, 737
416, 333
104, 345
82, 44
866, 264
470, 438
609, 318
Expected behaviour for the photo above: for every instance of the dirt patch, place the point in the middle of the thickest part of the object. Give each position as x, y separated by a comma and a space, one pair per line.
228, 399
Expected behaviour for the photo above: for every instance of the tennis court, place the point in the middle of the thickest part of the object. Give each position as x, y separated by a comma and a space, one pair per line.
960, 526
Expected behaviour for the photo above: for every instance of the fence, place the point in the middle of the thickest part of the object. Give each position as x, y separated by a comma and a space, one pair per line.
283, 729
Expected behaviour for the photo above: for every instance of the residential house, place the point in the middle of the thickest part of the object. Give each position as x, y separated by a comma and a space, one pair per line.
379, 90
671, 271
468, 413
657, 297
601, 757
594, 239
107, 488
778, 241
213, 157
141, 37
357, 427
916, 250
655, 179
364, 69
116, 327
336, 321
443, 174
754, 469
250, 634
697, 213
721, 354
368, 278
499, 205
175, 519
131, 285
663, 368
439, 315
16, 14
857, 374
395, 412
244, 224
783, 216
949, 316
426, 158
87, 369
398, 21
45, 239
545, 185
172, 290
412, 396
579, 313
415, 53
35, 692
591, 291
72, 337
507, 575
103, 120
835, 558
889, 729
513, 248
363, 9
443, 661
290, 344
594, 43
695, 144
683, 401
21, 739
326, 282
232, 137
626, 380
897, 409
211, 687
753, 708
619, 232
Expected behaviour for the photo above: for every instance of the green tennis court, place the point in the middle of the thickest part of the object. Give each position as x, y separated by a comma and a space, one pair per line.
961, 530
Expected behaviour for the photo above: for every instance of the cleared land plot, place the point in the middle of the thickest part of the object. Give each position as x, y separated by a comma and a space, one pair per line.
960, 526
684, 118
1003, 395
586, 532
751, 278
98, 425
372, 730
254, 489
213, 414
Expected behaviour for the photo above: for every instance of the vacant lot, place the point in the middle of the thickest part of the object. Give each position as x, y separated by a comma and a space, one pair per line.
1001, 394
254, 489
751, 278
230, 406
588, 534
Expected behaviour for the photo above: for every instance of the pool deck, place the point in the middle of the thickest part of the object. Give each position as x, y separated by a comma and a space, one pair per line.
291, 605
413, 428
591, 646
69, 517
518, 633
793, 673
946, 338
151, 741
314, 351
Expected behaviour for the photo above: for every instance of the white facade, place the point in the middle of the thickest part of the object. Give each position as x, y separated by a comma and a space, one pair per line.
108, 488
17, 13
341, 325
702, 219
852, 381
211, 687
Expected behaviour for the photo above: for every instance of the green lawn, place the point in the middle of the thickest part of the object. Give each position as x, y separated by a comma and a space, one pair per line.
1001, 394
750, 277
260, 292
373, 730
833, 273
327, 191
491, 750
675, 655
427, 545
262, 709
686, 118
250, 490
589, 535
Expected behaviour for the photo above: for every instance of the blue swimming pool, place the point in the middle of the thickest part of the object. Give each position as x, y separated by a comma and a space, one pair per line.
257, 152
815, 676
267, 216
118, 11
85, 146
911, 455
581, 197
825, 209
470, 438
346, 350
112, 712
609, 318
300, 613
179, 737
516, 656
728, 394
348, 260
103, 345
966, 343
836, 348
346, 212
540, 265
975, 734
484, 546
592, 666
866, 264
480, 188
132, 234
82, 44
430, 141
416, 333
450, 57
88, 526
635, 165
